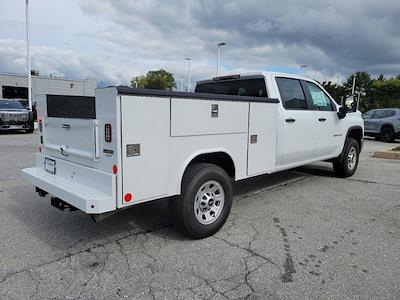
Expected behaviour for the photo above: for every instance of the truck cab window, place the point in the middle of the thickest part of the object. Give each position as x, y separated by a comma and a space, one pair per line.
319, 99
242, 87
292, 94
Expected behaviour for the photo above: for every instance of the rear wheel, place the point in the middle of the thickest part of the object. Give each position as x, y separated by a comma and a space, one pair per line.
388, 134
347, 164
205, 201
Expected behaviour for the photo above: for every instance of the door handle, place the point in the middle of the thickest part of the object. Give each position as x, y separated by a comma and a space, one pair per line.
66, 126
322, 119
290, 120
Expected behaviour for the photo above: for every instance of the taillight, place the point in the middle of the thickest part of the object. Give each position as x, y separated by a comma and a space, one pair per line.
107, 133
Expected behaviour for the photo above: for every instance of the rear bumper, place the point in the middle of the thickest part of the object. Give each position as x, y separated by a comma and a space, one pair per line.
90, 190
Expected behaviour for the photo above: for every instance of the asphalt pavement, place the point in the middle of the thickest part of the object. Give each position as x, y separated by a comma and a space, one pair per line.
301, 234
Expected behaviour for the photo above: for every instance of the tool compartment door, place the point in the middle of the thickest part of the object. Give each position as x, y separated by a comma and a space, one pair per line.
145, 133
263, 119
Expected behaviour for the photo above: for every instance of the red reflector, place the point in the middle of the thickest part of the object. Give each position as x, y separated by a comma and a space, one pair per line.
115, 169
107, 133
128, 197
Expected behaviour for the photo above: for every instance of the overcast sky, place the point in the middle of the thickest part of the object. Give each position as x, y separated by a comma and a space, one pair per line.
114, 40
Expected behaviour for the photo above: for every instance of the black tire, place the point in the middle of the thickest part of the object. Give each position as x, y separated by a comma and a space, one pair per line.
182, 208
387, 133
31, 128
346, 166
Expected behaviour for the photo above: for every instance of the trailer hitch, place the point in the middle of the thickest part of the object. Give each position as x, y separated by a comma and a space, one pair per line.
61, 205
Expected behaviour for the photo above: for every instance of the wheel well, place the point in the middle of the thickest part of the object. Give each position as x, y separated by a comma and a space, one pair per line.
387, 125
220, 159
357, 134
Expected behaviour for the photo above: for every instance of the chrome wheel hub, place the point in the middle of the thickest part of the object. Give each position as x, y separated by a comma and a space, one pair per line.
209, 202
352, 158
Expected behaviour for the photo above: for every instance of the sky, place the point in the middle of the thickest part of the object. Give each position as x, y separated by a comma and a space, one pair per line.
115, 40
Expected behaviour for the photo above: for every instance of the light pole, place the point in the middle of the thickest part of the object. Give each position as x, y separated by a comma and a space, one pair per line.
188, 60
220, 45
28, 56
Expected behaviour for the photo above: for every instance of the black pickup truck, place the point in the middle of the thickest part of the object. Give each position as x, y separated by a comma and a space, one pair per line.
14, 116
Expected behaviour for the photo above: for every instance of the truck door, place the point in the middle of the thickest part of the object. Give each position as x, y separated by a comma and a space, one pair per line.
299, 132
329, 135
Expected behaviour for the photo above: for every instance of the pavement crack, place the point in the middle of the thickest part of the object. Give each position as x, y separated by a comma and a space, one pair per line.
251, 251
373, 182
69, 255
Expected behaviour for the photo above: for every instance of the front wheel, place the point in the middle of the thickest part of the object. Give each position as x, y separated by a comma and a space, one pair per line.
347, 164
205, 201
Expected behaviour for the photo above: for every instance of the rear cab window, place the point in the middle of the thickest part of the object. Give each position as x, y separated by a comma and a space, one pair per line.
236, 87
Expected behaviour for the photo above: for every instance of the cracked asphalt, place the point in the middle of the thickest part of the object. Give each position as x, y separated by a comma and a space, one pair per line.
296, 234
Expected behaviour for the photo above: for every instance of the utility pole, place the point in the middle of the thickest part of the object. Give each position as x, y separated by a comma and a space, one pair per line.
219, 55
188, 60
354, 84
28, 56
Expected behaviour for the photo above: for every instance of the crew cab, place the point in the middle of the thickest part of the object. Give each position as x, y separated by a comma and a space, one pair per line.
128, 146
15, 116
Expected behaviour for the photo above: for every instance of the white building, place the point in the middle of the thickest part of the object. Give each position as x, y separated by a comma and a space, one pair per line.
16, 86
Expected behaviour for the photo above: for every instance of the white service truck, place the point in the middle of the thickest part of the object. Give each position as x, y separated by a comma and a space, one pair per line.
128, 146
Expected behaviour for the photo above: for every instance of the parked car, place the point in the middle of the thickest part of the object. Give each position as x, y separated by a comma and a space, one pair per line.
129, 146
14, 116
382, 124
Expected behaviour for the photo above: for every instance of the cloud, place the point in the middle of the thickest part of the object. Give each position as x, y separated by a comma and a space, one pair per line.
121, 39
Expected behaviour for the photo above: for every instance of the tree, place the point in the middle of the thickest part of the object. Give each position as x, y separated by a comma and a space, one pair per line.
337, 91
363, 82
157, 80
381, 78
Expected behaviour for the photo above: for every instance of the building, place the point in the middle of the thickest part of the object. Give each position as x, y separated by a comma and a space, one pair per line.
16, 86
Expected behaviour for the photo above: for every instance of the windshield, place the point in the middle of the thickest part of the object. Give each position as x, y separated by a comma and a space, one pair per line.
10, 104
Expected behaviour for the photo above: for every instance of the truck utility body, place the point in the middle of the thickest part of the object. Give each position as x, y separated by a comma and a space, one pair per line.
129, 146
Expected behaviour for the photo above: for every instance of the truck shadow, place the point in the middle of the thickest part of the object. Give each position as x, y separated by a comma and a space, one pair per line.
64, 230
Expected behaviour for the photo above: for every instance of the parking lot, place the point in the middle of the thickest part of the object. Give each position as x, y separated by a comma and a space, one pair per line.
296, 234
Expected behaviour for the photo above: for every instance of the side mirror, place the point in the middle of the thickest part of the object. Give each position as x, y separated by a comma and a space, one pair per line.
342, 112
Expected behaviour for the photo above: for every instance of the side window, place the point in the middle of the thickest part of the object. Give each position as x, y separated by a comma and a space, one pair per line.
291, 93
368, 115
319, 98
379, 114
242, 87
390, 113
